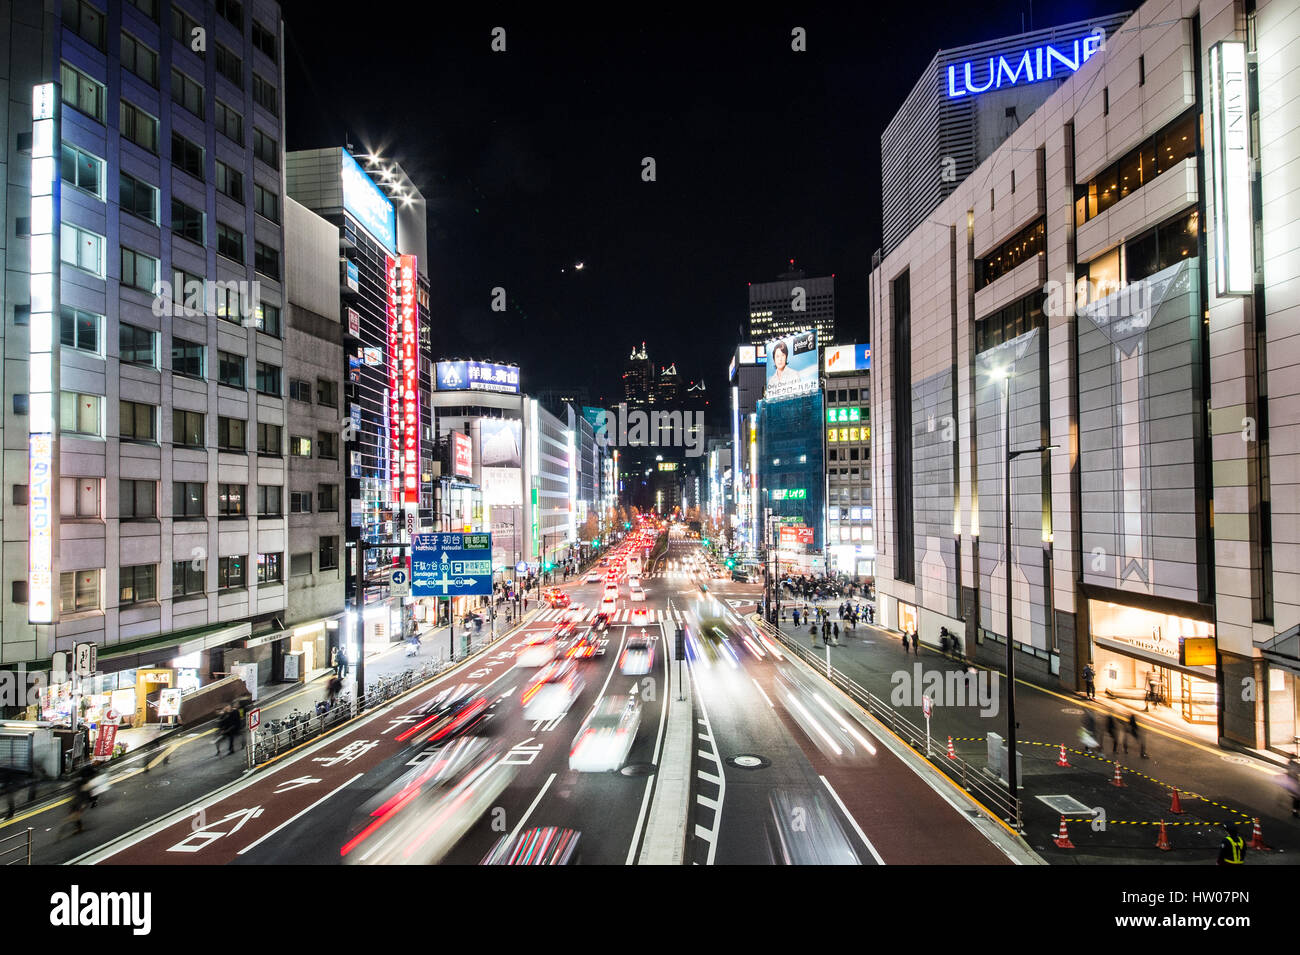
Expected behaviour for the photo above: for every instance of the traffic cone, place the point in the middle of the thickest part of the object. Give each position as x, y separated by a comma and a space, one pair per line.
951, 753
1061, 760
1062, 839
1117, 779
1257, 839
1162, 843
1176, 806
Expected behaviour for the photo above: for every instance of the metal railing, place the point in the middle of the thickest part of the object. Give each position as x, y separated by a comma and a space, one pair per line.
267, 743
973, 779
16, 849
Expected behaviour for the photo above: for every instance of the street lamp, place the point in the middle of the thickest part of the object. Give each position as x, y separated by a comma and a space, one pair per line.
1012, 781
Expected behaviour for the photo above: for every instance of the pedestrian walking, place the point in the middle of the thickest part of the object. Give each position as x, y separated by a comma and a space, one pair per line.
1112, 730
1088, 732
1135, 731
906, 644
1292, 784
334, 660
796, 616
1089, 681
916, 642
835, 632
826, 631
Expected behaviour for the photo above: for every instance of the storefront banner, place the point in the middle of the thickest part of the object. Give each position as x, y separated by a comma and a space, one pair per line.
792, 365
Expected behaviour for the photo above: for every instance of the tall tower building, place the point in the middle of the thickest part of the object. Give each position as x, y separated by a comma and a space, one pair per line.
638, 379
791, 303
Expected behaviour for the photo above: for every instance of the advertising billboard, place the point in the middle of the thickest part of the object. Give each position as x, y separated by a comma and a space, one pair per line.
792, 369
477, 376
403, 379
796, 535
366, 203
500, 443
462, 455
842, 358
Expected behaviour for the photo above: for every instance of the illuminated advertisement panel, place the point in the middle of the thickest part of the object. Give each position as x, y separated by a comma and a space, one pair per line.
366, 203
462, 451
1230, 169
477, 376
792, 366
405, 371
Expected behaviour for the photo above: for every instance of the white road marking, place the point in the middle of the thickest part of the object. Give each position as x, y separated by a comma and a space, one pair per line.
254, 845
524, 818
708, 777
853, 822
640, 821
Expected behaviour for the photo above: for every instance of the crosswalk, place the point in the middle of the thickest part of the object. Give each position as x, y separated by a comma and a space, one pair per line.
625, 615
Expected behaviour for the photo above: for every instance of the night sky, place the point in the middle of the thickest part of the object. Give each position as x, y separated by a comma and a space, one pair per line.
530, 161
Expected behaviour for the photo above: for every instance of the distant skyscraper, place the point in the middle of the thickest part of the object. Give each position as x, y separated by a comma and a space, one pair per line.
638, 378
772, 307
667, 387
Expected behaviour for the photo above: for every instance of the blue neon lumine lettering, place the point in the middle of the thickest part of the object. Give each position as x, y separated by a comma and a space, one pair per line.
1030, 66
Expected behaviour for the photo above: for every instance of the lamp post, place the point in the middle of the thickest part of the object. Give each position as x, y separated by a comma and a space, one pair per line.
1012, 781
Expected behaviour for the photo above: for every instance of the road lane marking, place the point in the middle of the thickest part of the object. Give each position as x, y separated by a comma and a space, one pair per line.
853, 822
524, 818
761, 693
640, 821
708, 777
254, 845
707, 836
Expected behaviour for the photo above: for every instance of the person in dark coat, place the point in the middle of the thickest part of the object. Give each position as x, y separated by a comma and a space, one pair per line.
1112, 730
1135, 732
835, 632
906, 641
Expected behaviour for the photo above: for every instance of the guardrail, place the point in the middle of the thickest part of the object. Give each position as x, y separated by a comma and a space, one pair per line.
973, 779
267, 743
16, 849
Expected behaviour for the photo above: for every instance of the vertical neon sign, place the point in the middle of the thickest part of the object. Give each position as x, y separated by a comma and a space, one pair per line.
403, 381
41, 504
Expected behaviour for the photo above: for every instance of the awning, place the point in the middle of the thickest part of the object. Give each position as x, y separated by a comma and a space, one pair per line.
1155, 659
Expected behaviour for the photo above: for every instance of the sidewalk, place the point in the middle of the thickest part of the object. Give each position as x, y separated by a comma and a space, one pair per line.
1214, 785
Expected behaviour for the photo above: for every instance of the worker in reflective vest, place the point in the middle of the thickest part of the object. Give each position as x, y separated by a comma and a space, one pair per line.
1233, 849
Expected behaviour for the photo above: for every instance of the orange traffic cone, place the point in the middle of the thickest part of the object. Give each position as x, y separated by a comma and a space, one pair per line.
1117, 779
1162, 843
1061, 760
1176, 806
1257, 839
952, 754
1062, 839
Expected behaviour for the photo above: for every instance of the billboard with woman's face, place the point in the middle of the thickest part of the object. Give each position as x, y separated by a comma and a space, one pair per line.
792, 366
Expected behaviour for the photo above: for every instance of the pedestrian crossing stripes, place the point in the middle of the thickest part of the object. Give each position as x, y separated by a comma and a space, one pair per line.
621, 615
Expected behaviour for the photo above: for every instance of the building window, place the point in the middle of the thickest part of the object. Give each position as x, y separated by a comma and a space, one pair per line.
137, 500
229, 122
139, 271
1029, 242
138, 198
187, 358
230, 499
148, 7
329, 553
300, 564
299, 446
230, 66
136, 345
187, 93
300, 390
230, 573
268, 440
187, 156
268, 320
268, 378
79, 497
232, 11
327, 498
266, 203
187, 578
265, 95
266, 148
269, 501
188, 499
136, 421
79, 413
1141, 165
138, 127
185, 28
230, 242
79, 591
81, 92
232, 434
300, 502
264, 40
270, 569
82, 249
79, 330
327, 392
85, 21
187, 221
137, 584
1009, 322
83, 170
230, 183
139, 59
228, 303
187, 429
266, 260
327, 445
230, 369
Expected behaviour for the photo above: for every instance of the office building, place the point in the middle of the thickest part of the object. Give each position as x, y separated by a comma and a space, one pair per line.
850, 543
791, 303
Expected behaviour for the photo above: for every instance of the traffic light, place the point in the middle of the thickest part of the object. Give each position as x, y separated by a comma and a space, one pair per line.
731, 562
548, 566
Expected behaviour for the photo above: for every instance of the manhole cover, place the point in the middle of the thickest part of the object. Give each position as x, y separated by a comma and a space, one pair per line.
1072, 710
749, 761
1239, 760
638, 769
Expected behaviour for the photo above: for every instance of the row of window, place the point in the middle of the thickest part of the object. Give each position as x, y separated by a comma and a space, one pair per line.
1166, 149
85, 250
82, 497
1029, 242
81, 415
79, 589
138, 126
327, 392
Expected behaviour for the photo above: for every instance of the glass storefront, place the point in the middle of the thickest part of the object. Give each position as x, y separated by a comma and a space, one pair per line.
1283, 711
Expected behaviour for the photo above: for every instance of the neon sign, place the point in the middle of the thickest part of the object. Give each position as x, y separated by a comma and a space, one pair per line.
1229, 150
1032, 65
403, 380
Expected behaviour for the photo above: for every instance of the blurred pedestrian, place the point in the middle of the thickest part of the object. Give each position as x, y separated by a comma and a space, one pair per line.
1135, 731
835, 632
343, 662
333, 688
916, 642
906, 638
1112, 730
812, 632
1292, 784
1088, 732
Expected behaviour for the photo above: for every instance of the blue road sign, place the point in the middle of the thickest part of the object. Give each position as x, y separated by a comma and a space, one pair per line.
451, 565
